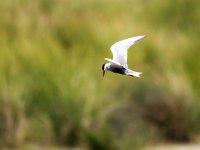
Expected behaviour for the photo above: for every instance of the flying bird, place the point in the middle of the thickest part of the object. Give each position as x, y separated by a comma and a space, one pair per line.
119, 62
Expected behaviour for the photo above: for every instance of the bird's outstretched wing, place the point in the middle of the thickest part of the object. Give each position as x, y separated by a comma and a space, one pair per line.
116, 63
119, 49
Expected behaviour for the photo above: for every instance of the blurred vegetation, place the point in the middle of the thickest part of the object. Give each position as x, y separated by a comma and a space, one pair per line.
51, 86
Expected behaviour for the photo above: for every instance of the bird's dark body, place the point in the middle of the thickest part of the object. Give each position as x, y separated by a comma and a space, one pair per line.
119, 70
116, 69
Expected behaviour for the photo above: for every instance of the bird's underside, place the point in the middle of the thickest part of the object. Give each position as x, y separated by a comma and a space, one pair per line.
117, 69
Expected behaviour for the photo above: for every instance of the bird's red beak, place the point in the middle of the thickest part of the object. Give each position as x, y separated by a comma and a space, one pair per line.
103, 73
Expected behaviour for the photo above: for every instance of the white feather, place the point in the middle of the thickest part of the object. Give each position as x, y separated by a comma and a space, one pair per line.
119, 49
115, 63
133, 73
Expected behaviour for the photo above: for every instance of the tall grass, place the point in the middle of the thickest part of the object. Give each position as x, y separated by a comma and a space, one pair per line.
51, 54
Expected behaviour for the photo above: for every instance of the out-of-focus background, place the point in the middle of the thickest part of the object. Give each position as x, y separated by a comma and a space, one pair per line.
52, 93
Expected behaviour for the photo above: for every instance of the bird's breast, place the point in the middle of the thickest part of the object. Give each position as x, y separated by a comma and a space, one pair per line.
117, 70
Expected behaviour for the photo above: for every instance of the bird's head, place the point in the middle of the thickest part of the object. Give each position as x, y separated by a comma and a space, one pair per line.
104, 68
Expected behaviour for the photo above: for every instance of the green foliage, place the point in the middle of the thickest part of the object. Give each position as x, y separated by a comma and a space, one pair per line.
100, 139
171, 114
51, 54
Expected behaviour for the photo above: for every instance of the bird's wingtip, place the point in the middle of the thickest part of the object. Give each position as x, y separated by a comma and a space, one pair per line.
107, 59
138, 38
142, 36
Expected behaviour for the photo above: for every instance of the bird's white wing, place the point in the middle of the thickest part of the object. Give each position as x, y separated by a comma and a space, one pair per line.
112, 61
116, 63
119, 49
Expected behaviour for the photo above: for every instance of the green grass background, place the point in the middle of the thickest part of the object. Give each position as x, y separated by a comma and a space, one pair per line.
51, 87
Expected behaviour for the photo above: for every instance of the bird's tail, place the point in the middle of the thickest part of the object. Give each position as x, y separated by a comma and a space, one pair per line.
133, 73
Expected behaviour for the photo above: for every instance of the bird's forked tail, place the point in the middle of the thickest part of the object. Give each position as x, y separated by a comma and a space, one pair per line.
133, 73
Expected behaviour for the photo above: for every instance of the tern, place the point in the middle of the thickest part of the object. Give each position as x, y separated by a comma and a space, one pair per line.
119, 62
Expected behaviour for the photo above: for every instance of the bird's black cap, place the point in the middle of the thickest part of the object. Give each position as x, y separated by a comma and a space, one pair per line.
103, 66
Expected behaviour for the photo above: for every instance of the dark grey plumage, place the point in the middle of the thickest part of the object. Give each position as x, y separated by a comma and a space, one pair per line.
117, 69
